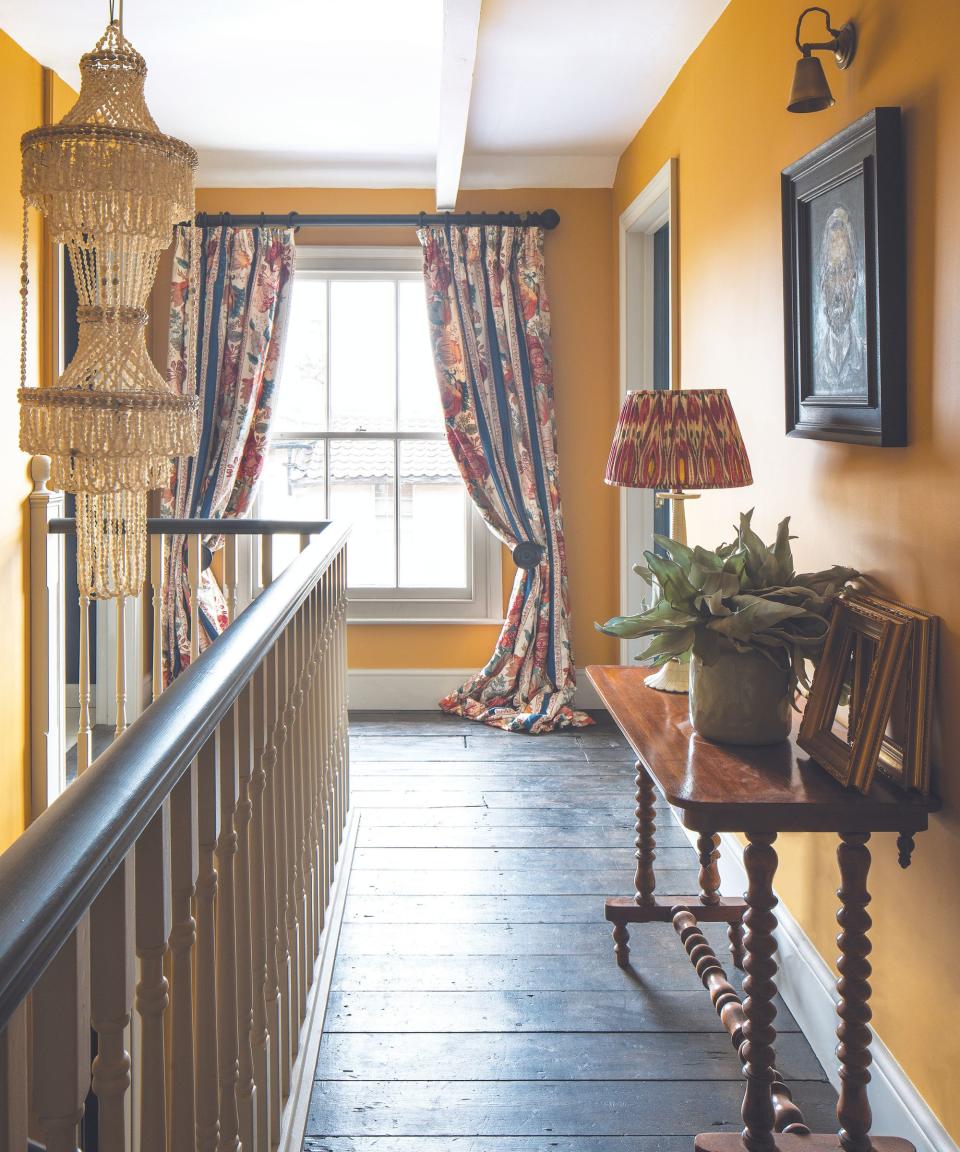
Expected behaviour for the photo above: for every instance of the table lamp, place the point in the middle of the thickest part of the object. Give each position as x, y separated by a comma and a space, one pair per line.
670, 441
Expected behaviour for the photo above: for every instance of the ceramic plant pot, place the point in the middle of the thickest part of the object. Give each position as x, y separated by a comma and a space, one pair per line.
741, 698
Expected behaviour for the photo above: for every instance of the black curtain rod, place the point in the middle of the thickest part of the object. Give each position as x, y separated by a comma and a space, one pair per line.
547, 219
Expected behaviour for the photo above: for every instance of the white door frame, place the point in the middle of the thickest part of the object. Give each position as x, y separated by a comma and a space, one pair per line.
655, 206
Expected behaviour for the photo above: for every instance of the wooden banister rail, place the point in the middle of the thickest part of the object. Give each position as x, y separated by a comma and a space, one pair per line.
92, 879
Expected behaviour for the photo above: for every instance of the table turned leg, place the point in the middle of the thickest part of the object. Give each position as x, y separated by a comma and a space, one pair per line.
645, 880
708, 849
735, 938
853, 986
757, 1050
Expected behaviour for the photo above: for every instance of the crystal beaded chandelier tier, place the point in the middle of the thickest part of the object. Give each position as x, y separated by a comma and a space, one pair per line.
111, 187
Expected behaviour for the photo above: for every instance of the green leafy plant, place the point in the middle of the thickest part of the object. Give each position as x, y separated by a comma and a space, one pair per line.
741, 597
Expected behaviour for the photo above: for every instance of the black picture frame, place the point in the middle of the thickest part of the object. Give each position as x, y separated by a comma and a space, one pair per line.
844, 286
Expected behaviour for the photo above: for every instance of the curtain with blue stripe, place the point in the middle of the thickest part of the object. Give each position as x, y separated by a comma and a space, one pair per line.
490, 332
243, 278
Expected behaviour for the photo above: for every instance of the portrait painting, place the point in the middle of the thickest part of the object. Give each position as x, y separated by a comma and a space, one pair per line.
844, 286
838, 306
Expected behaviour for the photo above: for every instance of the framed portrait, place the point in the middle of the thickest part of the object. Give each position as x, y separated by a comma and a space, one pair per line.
844, 286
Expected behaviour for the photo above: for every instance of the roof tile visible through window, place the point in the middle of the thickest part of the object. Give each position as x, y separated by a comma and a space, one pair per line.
423, 461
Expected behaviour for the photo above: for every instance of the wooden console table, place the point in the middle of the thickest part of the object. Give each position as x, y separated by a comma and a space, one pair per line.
758, 792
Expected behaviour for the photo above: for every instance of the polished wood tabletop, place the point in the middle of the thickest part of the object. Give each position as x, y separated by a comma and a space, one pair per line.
738, 788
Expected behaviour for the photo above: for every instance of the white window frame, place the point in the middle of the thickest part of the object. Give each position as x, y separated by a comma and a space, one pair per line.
481, 600
655, 206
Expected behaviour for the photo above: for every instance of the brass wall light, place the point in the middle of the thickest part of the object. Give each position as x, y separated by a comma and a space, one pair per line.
810, 91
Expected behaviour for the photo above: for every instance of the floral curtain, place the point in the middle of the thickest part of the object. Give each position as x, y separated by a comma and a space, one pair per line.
490, 330
243, 281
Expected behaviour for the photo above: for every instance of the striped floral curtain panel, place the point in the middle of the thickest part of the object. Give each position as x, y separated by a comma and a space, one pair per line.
244, 281
490, 330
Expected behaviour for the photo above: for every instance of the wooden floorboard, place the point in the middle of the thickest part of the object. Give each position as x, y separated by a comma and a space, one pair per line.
475, 1002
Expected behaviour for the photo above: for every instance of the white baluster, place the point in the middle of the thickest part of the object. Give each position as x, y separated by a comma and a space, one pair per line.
207, 1064
84, 735
112, 986
61, 1042
266, 561
156, 584
121, 671
275, 998
153, 916
230, 573
292, 840
193, 580
184, 865
246, 920
13, 1080
226, 852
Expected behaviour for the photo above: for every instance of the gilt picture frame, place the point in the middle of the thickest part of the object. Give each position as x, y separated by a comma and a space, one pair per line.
844, 286
865, 650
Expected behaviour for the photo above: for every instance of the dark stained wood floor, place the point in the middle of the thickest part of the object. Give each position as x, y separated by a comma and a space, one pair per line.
476, 1005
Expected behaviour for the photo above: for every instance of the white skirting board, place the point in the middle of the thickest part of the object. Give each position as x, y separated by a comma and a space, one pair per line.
419, 689
806, 983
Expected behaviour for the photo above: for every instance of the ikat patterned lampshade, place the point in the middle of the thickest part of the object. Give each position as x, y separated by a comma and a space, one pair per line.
678, 439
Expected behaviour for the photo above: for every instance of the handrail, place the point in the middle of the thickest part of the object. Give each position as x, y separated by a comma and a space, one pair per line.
208, 525
51, 874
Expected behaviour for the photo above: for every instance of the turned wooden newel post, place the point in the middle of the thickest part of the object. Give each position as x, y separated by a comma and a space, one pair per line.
853, 1031
757, 1051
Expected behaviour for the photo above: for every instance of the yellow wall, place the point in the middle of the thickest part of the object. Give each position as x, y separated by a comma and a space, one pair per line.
892, 513
22, 99
579, 258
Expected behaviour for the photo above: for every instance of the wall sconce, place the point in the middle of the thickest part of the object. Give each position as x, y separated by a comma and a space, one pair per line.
810, 91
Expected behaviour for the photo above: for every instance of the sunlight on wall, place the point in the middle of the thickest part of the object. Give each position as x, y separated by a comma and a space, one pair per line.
889, 512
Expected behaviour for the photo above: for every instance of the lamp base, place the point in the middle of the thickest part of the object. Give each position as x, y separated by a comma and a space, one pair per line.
671, 677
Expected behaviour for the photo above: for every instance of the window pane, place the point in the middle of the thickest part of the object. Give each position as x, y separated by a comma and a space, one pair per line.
420, 406
362, 355
362, 492
433, 532
302, 391
293, 485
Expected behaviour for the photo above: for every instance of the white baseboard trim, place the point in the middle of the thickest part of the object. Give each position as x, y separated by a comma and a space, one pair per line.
806, 983
293, 1122
419, 689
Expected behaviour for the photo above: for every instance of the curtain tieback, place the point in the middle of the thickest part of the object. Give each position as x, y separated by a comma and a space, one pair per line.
527, 555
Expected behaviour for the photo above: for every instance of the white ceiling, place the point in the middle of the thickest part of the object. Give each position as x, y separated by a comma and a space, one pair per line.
348, 93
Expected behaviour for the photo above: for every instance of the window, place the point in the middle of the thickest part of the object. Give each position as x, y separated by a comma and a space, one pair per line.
359, 436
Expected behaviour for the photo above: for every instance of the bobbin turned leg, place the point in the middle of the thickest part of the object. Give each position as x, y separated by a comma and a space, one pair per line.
644, 881
735, 938
708, 850
853, 986
757, 1051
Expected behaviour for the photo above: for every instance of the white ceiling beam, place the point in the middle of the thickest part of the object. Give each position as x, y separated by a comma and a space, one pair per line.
461, 26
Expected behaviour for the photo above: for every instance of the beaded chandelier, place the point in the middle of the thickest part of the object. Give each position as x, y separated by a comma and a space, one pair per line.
111, 187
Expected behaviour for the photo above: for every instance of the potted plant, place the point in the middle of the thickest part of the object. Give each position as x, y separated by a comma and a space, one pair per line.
747, 622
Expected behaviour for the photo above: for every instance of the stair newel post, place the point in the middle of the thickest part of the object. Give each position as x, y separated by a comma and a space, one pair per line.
112, 988
61, 1042
14, 1111
153, 919
206, 1049
227, 959
261, 1040
184, 868
246, 1087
